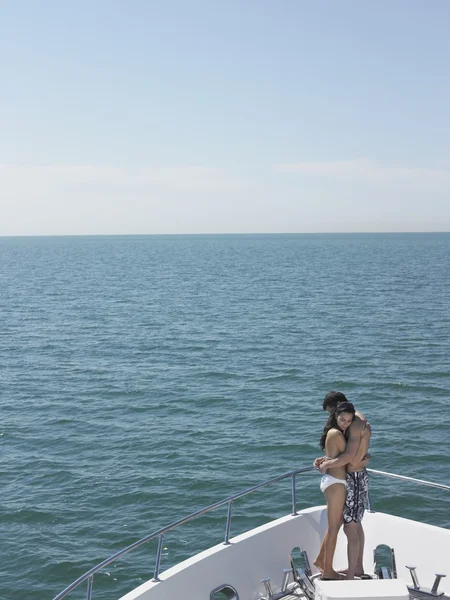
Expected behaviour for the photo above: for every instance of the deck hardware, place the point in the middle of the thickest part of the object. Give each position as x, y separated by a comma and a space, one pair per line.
394, 564
224, 591
434, 589
307, 565
268, 587
305, 583
283, 592
285, 582
425, 592
298, 558
302, 574
158, 558
414, 578
384, 565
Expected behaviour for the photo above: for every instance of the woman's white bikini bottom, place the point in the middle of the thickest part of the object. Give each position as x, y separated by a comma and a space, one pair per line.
328, 480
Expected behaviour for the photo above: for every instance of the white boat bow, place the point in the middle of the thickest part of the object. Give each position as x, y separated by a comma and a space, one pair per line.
406, 559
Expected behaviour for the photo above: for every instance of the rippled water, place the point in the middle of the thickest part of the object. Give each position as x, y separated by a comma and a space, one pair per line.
146, 377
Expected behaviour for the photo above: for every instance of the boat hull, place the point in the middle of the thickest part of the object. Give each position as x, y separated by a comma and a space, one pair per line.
264, 553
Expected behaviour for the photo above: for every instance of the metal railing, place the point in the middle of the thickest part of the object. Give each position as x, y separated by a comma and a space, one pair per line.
440, 486
89, 575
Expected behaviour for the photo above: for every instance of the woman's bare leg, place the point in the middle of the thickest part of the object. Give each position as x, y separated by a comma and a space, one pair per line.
335, 495
320, 560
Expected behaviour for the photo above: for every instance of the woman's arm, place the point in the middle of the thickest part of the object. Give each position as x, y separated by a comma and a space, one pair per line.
351, 450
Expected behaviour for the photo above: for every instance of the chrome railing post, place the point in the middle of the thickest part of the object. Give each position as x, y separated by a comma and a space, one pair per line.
158, 558
294, 496
89, 588
228, 527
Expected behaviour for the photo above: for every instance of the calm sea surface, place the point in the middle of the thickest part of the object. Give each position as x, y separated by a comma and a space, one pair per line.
143, 378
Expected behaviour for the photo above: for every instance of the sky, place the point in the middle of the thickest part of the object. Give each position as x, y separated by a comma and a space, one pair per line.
238, 116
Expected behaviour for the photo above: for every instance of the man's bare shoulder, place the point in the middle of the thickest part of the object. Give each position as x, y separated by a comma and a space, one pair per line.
358, 424
359, 415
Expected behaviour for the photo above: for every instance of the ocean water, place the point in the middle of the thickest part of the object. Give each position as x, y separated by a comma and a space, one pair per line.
144, 377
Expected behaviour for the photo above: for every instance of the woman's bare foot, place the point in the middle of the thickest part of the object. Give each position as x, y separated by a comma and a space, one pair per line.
332, 575
318, 565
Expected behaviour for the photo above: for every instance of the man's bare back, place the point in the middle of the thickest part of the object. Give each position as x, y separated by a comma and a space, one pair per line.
364, 431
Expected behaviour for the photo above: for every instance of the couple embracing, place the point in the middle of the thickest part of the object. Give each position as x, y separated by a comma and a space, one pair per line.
345, 439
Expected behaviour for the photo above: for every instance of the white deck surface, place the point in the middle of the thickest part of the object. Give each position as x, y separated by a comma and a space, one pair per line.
264, 551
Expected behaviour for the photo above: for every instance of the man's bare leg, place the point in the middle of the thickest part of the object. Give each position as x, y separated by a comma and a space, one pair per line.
335, 495
353, 547
359, 563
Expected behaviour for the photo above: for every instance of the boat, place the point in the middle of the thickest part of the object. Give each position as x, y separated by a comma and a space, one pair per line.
405, 559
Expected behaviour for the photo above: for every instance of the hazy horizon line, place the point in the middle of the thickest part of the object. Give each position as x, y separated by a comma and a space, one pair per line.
260, 233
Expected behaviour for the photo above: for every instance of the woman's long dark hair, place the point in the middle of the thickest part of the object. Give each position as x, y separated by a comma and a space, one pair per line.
332, 420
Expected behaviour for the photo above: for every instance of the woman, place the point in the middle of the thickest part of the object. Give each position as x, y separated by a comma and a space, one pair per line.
333, 484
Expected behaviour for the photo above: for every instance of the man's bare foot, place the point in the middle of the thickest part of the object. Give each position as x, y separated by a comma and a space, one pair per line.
361, 575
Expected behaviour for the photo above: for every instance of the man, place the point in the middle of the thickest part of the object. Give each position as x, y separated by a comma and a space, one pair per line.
355, 458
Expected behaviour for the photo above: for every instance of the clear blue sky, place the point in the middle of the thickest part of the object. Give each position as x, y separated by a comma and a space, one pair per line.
197, 116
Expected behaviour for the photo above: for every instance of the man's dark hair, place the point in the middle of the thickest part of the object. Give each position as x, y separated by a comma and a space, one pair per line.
332, 399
